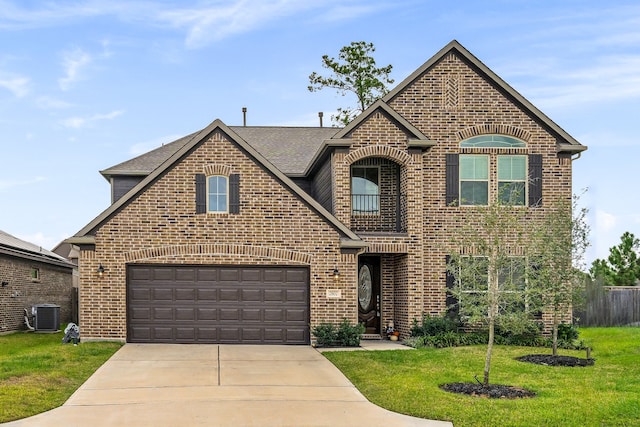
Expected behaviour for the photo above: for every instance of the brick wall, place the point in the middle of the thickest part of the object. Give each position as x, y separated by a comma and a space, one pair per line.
53, 287
274, 227
449, 103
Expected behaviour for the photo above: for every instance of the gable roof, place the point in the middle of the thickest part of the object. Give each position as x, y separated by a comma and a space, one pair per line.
290, 149
570, 145
10, 245
402, 123
84, 236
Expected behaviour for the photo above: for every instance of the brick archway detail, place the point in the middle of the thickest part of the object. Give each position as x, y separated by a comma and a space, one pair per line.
217, 169
499, 129
384, 151
218, 249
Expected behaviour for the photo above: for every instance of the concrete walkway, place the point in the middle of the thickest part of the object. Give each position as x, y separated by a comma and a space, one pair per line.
218, 385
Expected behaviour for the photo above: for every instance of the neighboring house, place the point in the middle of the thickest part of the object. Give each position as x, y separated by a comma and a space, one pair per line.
71, 253
30, 276
254, 234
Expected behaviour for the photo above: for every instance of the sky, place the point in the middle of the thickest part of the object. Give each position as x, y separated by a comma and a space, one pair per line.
87, 84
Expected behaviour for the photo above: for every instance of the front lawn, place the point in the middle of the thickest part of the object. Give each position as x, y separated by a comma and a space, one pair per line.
38, 373
606, 394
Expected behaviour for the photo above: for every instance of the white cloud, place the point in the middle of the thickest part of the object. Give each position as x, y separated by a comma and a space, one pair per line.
73, 63
605, 222
209, 24
7, 184
143, 147
48, 103
205, 23
18, 85
80, 122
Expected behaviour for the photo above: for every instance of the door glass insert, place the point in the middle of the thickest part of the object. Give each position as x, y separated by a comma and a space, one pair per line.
365, 285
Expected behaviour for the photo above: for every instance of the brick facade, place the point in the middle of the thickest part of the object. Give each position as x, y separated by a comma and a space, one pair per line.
274, 227
52, 287
454, 98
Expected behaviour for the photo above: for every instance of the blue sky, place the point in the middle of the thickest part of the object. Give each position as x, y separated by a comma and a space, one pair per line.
85, 85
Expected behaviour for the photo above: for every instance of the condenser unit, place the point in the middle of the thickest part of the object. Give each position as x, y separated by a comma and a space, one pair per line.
46, 317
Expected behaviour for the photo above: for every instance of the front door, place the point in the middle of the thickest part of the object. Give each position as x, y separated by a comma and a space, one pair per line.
369, 293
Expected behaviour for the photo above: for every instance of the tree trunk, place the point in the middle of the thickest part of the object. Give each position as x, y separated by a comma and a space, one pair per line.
555, 335
487, 361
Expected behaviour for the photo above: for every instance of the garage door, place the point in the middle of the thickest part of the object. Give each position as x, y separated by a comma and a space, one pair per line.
216, 304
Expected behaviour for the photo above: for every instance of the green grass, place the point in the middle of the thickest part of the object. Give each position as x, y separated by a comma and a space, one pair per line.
39, 373
606, 394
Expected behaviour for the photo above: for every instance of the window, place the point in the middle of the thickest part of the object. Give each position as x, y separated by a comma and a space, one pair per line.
217, 191
493, 141
365, 192
474, 179
473, 279
512, 180
35, 274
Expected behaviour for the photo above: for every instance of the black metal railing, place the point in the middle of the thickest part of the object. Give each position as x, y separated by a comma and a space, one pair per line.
365, 204
378, 213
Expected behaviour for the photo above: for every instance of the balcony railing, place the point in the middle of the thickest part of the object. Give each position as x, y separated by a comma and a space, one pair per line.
378, 213
365, 204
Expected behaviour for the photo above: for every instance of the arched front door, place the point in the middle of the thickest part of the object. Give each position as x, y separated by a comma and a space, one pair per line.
369, 293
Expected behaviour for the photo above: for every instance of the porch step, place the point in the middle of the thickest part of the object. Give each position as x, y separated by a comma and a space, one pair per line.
370, 337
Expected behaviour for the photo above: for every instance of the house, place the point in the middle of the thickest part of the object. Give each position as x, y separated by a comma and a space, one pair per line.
30, 276
238, 234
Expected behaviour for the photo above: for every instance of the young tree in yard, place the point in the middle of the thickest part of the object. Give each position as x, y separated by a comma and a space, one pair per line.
622, 267
556, 252
355, 71
488, 268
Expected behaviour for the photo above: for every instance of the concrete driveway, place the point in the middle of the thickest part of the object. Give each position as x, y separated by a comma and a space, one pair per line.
218, 385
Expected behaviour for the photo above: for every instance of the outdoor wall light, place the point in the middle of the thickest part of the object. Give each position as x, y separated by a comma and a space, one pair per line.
100, 270
336, 273
5, 284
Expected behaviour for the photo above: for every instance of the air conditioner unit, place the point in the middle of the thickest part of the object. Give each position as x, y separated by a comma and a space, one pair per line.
46, 317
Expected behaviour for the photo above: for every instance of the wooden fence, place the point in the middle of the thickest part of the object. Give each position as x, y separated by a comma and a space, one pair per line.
609, 306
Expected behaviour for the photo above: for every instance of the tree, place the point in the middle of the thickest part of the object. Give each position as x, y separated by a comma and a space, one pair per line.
556, 253
622, 267
488, 267
355, 71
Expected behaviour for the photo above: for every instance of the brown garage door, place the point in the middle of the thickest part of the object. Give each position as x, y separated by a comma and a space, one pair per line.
217, 304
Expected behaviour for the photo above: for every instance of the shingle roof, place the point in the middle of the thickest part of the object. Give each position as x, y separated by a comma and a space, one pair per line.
348, 239
290, 149
11, 245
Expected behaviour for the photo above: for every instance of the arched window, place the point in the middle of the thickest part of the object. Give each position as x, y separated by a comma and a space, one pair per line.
217, 193
492, 141
475, 173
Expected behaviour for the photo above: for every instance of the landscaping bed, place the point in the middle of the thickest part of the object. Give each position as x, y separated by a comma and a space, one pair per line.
494, 391
551, 360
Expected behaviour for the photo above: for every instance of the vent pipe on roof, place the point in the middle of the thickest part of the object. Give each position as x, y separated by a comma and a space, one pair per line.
320, 114
244, 116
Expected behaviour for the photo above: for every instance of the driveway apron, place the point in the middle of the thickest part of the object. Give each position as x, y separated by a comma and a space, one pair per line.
218, 385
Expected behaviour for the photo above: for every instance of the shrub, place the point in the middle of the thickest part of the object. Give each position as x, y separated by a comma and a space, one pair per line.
434, 325
439, 332
567, 332
325, 334
346, 335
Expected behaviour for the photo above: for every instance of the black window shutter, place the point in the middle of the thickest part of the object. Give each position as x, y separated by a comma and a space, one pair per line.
535, 180
201, 193
451, 301
452, 185
234, 193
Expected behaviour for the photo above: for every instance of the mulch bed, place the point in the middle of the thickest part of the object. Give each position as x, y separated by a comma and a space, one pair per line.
551, 360
492, 391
